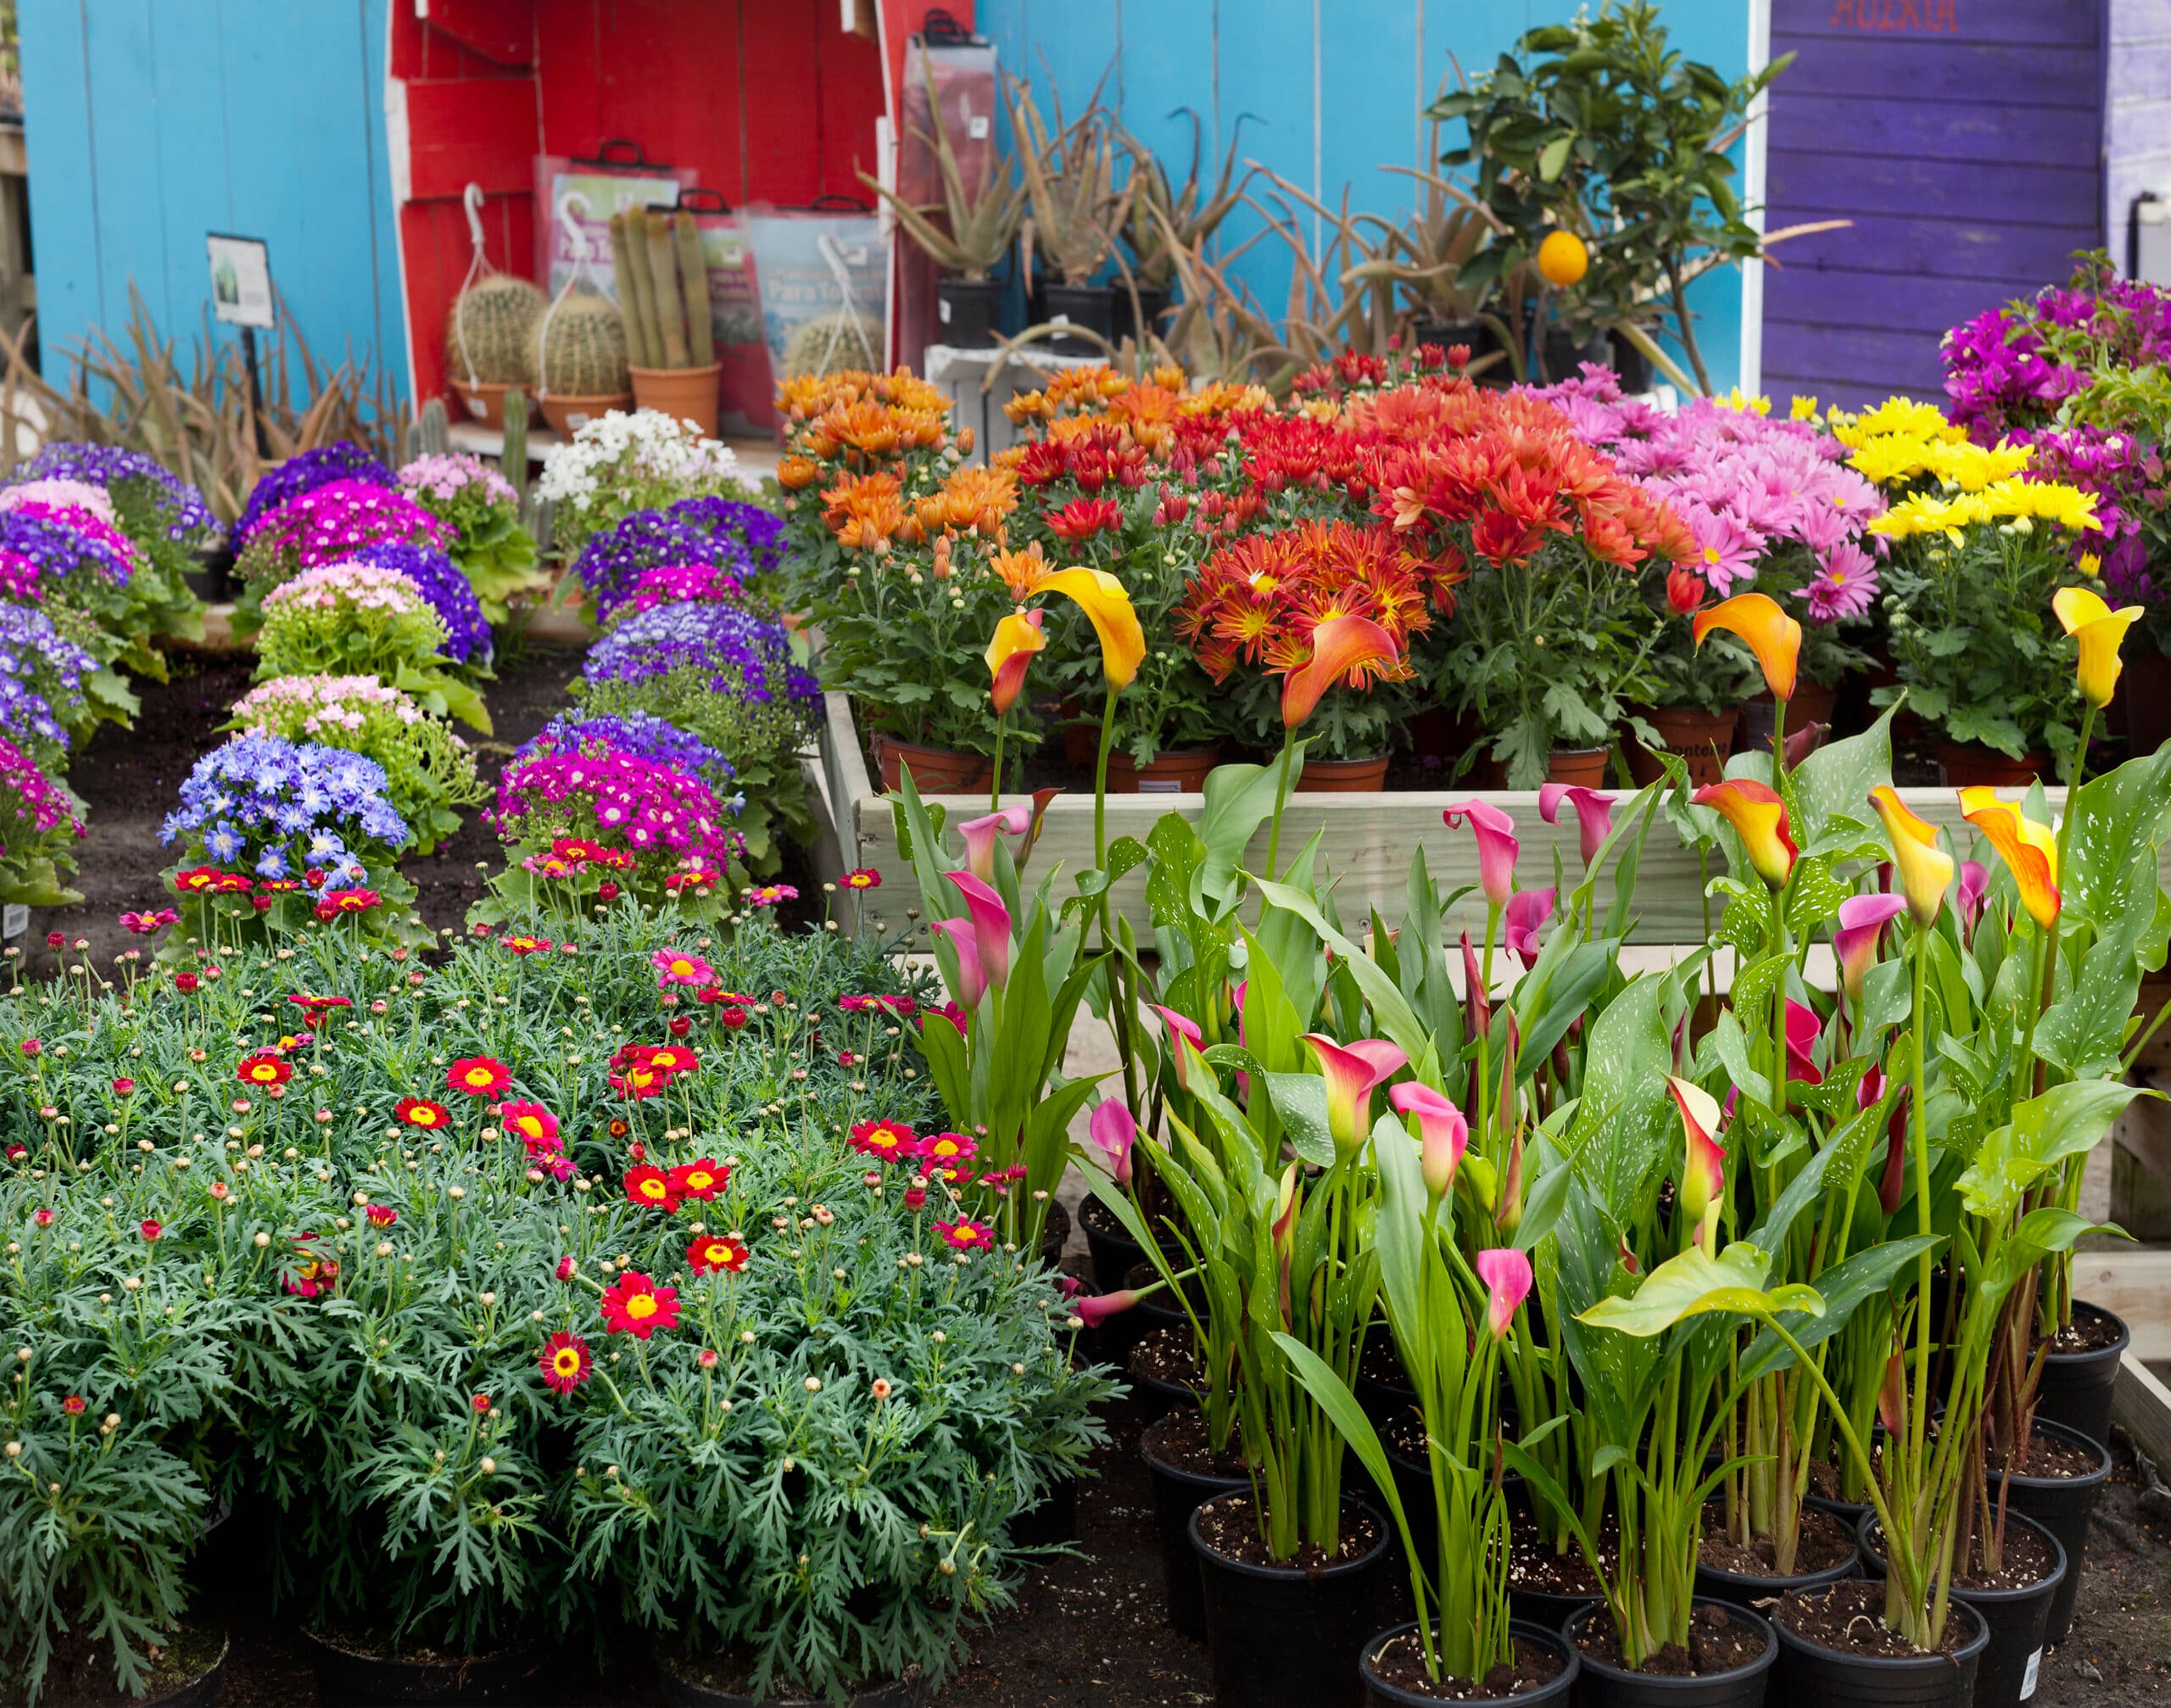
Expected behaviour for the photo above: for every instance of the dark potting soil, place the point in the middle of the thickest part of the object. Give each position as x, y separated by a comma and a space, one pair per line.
1533, 1564
1381, 1363
2046, 1456
1401, 1663
1228, 1524
1179, 1441
1166, 1354
2027, 1558
1716, 1643
80, 1677
1823, 1541
2089, 1332
1850, 1617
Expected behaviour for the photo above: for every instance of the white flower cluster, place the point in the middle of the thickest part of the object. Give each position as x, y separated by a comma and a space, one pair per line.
618, 449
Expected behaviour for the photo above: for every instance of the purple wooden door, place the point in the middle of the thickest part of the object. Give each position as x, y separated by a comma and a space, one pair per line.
1964, 140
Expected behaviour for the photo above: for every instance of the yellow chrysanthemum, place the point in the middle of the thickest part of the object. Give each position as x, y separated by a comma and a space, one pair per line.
1802, 410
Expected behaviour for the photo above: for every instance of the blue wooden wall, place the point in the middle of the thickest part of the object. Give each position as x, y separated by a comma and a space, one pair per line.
1335, 86
150, 122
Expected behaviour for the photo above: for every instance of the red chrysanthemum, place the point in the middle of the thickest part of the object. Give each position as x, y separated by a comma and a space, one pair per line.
264, 1069
525, 945
638, 1306
702, 1179
714, 1252
564, 1362
421, 1112
945, 1149
890, 1141
479, 1076
866, 877
531, 1123
966, 1235
649, 1186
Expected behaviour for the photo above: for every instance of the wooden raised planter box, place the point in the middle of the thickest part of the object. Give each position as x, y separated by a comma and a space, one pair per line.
1369, 840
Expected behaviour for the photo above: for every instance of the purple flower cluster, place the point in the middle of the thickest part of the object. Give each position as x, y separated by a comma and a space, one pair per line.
342, 460
331, 524
635, 804
636, 733
612, 561
288, 805
179, 505
2010, 368
2132, 493
759, 531
37, 552
736, 653
1747, 486
36, 797
42, 678
1998, 377
438, 580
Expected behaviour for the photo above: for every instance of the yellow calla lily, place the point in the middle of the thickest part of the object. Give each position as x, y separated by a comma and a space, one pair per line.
2100, 632
1773, 636
1107, 606
2029, 849
1759, 818
1017, 637
1925, 869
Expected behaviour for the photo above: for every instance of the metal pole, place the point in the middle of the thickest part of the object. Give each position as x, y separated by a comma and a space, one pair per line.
255, 391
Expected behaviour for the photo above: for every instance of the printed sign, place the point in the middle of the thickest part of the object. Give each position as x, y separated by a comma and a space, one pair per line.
241, 281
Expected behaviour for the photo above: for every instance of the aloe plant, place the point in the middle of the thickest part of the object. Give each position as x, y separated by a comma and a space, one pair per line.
978, 222
1070, 181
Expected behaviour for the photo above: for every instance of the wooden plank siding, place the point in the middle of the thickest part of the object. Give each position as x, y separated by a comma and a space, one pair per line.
2137, 112
1966, 141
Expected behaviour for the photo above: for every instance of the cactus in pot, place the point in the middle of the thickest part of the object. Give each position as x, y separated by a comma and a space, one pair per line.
663, 282
584, 349
489, 336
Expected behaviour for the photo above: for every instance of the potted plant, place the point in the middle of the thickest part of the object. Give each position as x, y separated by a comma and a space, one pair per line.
478, 504
662, 281
1068, 175
978, 223
616, 464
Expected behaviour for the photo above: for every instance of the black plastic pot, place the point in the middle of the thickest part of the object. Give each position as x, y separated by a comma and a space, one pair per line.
353, 1676
1177, 1493
1633, 367
1051, 1520
1379, 1693
1563, 356
968, 312
1278, 1634
2016, 1619
1092, 307
1545, 1610
1157, 1395
1384, 1398
2061, 1505
199, 1692
1749, 1589
1599, 1685
1811, 1676
1152, 303
1848, 1512
1110, 1251
2076, 1387
681, 1691
1055, 1235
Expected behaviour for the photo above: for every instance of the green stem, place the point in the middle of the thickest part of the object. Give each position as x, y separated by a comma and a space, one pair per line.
1281, 800
994, 788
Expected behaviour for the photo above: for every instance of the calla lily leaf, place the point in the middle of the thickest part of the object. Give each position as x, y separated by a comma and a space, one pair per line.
1693, 1284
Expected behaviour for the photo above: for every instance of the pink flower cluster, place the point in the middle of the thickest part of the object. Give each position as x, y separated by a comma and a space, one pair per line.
49, 807
52, 496
444, 476
1746, 484
331, 521
326, 702
363, 586
631, 803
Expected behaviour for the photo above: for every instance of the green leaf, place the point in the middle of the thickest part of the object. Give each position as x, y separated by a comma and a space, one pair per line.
1300, 1100
2065, 1121
1693, 1284
1553, 159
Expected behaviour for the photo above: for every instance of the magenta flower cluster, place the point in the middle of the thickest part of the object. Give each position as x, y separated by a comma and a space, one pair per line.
341, 461
44, 803
622, 801
332, 522
38, 552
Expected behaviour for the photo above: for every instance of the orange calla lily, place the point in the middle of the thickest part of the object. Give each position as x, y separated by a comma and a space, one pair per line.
2100, 632
1759, 818
2029, 849
1773, 636
1925, 868
1343, 647
1017, 637
1107, 606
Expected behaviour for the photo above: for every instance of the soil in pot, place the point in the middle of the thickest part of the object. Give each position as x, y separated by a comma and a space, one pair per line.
1546, 1587
1968, 767
187, 1672
1725, 1664
2082, 1371
1382, 1386
1287, 1632
2014, 1601
2056, 1485
1165, 1370
1839, 1654
1702, 739
935, 770
1180, 773
725, 1682
1342, 776
1111, 1252
1184, 1472
1578, 767
359, 1669
1543, 1669
1743, 1574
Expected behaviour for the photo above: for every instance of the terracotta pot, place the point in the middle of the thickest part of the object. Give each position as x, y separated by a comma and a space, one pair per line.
687, 394
1703, 738
1081, 736
568, 415
1181, 772
1965, 767
935, 770
1812, 704
1342, 776
480, 403
1578, 765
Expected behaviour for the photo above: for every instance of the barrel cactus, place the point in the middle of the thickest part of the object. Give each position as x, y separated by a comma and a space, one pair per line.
584, 348
491, 332
831, 343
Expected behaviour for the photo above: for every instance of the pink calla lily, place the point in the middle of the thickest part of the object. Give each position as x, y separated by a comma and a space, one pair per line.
1442, 1134
1497, 846
1112, 1131
1474, 992
991, 924
1528, 910
1181, 1031
1974, 883
1804, 1028
1862, 920
1506, 1274
972, 976
981, 834
1594, 813
1097, 1308
1351, 1071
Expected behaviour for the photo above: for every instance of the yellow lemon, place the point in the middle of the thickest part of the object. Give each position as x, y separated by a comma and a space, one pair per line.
1562, 259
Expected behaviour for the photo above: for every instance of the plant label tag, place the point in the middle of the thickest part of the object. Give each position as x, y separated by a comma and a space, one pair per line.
14, 919
1058, 319
942, 310
1159, 786
2028, 1678
976, 127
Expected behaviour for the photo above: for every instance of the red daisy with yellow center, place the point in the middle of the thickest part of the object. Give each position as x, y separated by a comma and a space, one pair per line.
648, 1185
264, 1069
565, 1362
889, 1139
638, 1306
479, 1076
714, 1252
531, 1123
421, 1112
966, 1235
702, 1179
